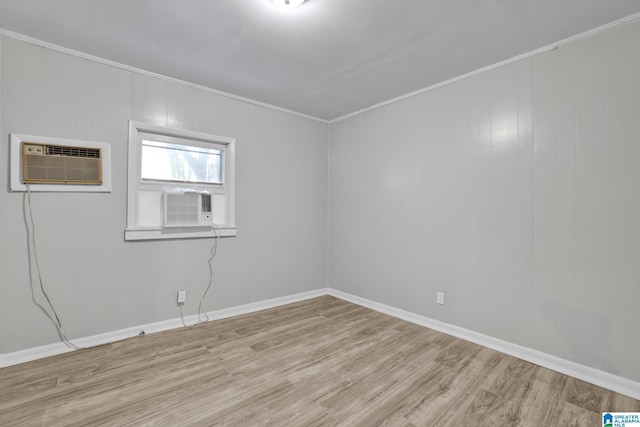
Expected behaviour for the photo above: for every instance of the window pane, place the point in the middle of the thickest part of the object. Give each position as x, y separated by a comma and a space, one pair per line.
162, 161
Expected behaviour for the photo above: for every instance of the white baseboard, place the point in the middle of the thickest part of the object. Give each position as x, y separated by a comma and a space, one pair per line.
594, 376
35, 353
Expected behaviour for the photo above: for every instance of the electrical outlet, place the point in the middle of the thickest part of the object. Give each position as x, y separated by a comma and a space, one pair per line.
182, 296
440, 298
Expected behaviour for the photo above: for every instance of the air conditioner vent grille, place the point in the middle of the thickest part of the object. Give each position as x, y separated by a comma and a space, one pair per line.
60, 150
206, 203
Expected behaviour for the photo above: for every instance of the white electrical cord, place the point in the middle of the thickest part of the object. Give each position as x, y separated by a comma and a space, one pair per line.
212, 252
57, 323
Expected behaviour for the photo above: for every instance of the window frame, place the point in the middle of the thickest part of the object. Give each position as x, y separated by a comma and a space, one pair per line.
139, 131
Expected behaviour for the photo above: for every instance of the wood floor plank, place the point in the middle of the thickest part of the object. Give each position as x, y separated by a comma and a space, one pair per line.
474, 407
575, 416
588, 396
320, 362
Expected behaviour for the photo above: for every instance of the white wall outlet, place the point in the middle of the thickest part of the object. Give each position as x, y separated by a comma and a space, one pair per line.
182, 296
440, 298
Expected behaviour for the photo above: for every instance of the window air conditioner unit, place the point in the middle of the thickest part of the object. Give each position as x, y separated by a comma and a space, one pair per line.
60, 164
188, 209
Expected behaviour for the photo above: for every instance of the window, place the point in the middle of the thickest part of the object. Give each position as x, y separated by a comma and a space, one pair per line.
180, 184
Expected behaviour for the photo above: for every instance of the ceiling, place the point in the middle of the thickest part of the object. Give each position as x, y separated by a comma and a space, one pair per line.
325, 59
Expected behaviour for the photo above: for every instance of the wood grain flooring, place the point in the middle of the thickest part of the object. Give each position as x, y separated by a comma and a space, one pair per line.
320, 362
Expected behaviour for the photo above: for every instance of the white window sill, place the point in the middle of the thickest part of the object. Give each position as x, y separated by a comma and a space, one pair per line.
177, 233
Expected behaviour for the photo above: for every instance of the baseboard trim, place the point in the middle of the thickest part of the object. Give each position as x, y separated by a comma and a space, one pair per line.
594, 376
27, 355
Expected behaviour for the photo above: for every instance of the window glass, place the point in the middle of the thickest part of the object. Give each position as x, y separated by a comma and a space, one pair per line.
163, 161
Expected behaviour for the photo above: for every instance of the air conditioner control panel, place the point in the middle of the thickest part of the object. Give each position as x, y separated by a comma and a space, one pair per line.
33, 149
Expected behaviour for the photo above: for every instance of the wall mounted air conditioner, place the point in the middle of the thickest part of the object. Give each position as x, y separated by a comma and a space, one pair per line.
49, 164
187, 209
61, 164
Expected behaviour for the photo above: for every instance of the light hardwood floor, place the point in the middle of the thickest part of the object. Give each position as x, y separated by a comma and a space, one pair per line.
318, 362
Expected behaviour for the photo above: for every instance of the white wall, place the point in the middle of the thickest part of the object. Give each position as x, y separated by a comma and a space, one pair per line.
516, 192
101, 283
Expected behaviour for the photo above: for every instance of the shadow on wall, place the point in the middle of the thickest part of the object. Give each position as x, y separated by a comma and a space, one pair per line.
586, 333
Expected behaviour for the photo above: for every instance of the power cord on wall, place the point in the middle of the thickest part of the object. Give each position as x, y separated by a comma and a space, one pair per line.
212, 252
57, 322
